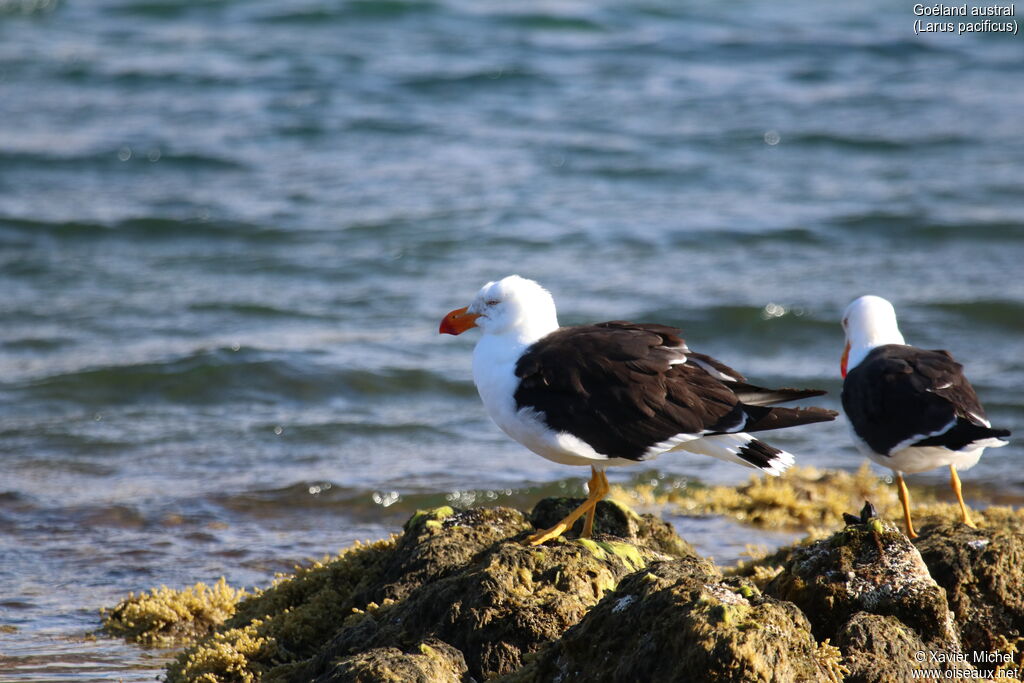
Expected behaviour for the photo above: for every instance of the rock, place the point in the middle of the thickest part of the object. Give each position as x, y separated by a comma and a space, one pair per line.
677, 618
166, 617
981, 572
616, 520
877, 648
503, 604
287, 622
432, 662
868, 590
458, 595
439, 541
803, 497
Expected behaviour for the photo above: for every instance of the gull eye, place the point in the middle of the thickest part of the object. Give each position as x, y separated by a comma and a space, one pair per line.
492, 302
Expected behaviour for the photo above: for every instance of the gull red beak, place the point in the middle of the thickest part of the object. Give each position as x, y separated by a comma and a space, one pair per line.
458, 321
844, 360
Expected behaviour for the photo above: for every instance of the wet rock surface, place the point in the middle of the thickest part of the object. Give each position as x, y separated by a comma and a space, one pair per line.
868, 591
507, 604
862, 569
982, 572
430, 662
678, 621
458, 596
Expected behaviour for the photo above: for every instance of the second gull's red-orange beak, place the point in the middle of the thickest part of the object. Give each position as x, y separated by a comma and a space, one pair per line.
844, 360
458, 321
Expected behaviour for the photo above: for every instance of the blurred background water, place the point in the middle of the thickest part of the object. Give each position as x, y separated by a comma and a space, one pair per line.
229, 228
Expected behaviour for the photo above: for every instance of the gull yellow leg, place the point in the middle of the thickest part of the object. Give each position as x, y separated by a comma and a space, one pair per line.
596, 493
598, 481
954, 479
905, 500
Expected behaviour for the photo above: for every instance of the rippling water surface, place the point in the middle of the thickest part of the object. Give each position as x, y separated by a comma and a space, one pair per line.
228, 230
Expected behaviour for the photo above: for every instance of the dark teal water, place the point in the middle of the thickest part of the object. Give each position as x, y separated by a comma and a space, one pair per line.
228, 230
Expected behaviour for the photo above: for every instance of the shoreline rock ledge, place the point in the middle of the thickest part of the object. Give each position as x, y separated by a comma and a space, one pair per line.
457, 597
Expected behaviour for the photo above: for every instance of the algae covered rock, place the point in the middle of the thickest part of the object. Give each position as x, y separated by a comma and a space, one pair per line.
457, 596
982, 571
879, 648
805, 497
678, 621
432, 662
167, 617
284, 623
439, 541
868, 590
507, 602
617, 520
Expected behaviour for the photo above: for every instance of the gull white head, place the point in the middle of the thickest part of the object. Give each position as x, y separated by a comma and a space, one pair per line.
869, 321
510, 306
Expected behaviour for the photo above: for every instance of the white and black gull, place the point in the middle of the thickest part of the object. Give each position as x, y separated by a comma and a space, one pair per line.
613, 393
911, 409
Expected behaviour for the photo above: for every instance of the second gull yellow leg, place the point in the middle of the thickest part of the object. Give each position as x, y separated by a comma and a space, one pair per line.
905, 500
954, 479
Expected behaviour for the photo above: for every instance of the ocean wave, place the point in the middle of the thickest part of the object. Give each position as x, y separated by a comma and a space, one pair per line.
229, 375
1000, 313
795, 235
255, 310
90, 74
499, 76
36, 343
299, 495
877, 143
391, 126
910, 223
169, 9
556, 22
149, 157
371, 504
638, 172
16, 501
321, 432
320, 12
147, 227
736, 316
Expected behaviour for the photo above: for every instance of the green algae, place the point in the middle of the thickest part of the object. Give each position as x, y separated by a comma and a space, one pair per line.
748, 591
764, 565
231, 656
980, 570
431, 517
477, 587
284, 623
802, 497
436, 662
616, 519
830, 661
165, 617
678, 617
624, 551
459, 596
871, 595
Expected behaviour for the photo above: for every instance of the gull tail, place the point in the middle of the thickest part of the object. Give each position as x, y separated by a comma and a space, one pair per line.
742, 449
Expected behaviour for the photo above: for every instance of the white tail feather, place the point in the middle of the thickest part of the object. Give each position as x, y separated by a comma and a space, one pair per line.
727, 446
